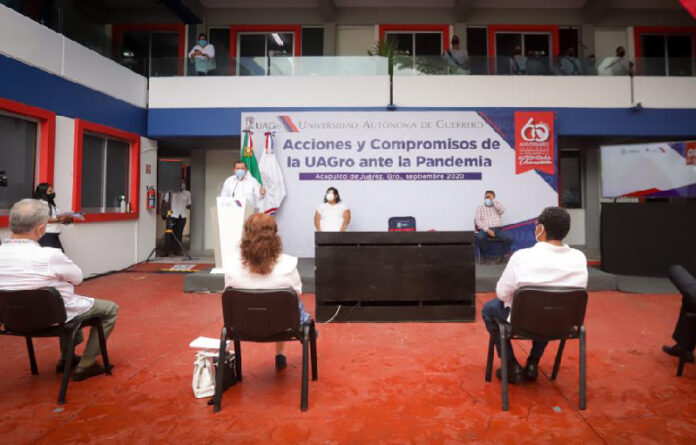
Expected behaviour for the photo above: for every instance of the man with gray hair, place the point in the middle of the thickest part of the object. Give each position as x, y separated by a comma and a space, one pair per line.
25, 265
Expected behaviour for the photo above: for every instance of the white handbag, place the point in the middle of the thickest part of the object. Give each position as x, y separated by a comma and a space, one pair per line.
203, 375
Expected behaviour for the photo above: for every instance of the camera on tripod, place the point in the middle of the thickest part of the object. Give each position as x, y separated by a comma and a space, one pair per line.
3, 178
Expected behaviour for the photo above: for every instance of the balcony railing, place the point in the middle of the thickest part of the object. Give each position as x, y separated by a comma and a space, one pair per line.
410, 66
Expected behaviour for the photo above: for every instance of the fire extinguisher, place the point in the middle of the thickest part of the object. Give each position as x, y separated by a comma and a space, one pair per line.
151, 198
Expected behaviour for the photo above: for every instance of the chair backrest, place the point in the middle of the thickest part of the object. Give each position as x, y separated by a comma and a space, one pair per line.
25, 311
552, 312
683, 280
261, 314
402, 224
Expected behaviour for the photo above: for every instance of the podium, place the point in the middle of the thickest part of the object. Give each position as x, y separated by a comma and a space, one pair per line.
395, 276
228, 219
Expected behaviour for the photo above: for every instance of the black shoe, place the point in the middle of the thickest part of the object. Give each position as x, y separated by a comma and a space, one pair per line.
515, 374
676, 351
531, 370
95, 369
61, 364
281, 362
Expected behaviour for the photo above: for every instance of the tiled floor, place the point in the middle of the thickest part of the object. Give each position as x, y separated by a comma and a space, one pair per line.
378, 383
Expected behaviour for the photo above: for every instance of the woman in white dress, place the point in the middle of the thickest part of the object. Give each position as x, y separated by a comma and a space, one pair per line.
333, 215
262, 265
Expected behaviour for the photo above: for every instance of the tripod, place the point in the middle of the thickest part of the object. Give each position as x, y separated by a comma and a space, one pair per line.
168, 232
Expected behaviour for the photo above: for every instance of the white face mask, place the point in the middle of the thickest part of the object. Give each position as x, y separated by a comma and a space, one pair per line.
330, 196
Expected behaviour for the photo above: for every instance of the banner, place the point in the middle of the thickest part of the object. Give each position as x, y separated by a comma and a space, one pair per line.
649, 170
434, 166
534, 141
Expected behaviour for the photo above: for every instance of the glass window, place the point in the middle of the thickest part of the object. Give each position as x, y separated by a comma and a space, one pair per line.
256, 49
666, 55
313, 41
534, 53
220, 39
105, 171
149, 53
570, 179
418, 51
18, 140
477, 46
568, 38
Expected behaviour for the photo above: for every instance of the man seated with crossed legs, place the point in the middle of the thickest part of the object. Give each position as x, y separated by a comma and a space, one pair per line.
548, 263
25, 265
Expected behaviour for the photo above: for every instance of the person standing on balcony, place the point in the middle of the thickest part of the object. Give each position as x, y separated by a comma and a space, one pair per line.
616, 66
570, 65
518, 62
203, 56
457, 58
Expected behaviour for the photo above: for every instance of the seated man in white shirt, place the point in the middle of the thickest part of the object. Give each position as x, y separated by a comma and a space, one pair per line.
243, 186
548, 263
25, 265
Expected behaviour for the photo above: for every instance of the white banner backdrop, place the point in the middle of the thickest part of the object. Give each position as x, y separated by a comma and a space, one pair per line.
432, 165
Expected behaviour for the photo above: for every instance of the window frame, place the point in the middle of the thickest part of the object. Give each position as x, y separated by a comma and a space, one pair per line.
639, 31
46, 140
443, 29
493, 29
117, 31
82, 127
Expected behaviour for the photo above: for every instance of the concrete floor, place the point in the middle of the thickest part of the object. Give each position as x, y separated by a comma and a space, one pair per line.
378, 383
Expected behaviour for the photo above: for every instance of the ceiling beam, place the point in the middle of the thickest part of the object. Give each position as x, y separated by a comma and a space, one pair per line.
462, 8
327, 10
595, 9
189, 11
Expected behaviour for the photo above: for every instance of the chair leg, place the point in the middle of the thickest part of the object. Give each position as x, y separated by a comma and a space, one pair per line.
305, 370
238, 359
313, 348
102, 346
489, 362
583, 368
220, 371
67, 370
32, 356
680, 367
504, 365
557, 362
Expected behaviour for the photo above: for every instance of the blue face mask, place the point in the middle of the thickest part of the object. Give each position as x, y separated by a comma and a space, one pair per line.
202, 42
240, 173
488, 202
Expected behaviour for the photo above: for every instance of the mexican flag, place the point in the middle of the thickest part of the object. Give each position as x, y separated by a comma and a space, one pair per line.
248, 156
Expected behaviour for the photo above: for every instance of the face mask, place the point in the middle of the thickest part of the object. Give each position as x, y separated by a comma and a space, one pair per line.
240, 173
202, 42
330, 196
488, 202
51, 195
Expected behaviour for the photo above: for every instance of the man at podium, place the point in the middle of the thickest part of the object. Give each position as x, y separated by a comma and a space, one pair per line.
243, 186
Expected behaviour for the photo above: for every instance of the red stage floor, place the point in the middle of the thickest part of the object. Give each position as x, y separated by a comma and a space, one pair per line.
378, 383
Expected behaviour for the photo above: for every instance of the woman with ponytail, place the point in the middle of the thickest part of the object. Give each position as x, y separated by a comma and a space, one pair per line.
51, 238
262, 265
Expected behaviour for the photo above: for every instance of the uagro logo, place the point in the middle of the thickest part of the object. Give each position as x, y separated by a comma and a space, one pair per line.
535, 132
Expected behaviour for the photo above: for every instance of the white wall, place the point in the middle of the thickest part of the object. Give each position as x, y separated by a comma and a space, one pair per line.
219, 166
355, 40
23, 39
608, 39
268, 91
543, 91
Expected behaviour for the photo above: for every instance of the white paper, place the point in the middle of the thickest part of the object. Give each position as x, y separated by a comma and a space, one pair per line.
207, 343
